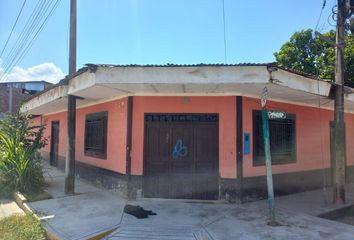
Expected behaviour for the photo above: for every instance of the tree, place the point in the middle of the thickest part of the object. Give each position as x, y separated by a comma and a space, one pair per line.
309, 54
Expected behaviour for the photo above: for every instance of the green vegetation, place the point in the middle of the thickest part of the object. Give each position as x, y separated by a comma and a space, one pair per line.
21, 227
309, 54
20, 162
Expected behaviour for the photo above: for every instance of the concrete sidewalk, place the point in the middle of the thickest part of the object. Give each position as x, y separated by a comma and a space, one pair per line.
9, 207
95, 210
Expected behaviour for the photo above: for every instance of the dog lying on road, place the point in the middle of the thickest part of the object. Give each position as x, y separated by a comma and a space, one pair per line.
137, 211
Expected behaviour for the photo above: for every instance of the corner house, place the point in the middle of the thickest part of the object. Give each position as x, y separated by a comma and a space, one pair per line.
193, 131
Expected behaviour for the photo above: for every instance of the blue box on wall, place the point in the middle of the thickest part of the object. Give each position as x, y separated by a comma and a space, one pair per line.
247, 143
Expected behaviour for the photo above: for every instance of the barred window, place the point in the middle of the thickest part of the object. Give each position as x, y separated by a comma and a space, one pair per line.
282, 134
96, 135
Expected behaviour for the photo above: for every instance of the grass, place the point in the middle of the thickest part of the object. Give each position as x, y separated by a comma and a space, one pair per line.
38, 197
21, 227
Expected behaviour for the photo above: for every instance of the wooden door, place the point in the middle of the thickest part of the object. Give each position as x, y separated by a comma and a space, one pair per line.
157, 156
181, 156
54, 144
205, 164
181, 161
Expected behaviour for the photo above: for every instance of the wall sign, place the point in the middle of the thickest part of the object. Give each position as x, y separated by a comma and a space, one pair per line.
276, 115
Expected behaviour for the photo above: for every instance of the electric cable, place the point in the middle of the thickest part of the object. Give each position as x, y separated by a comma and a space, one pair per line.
224, 26
24, 53
13, 27
28, 34
21, 39
34, 26
319, 17
324, 178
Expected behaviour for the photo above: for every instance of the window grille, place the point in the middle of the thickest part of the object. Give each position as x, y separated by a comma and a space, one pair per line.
282, 134
96, 135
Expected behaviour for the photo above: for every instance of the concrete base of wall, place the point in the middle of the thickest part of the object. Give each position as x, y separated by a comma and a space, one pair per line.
101, 177
250, 189
255, 188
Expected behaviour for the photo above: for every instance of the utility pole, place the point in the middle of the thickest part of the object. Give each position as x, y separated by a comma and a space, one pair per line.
339, 127
70, 138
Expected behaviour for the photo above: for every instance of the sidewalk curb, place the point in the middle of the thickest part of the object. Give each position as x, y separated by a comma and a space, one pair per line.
103, 234
22, 203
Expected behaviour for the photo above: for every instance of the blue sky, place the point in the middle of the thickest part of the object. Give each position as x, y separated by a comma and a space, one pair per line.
161, 31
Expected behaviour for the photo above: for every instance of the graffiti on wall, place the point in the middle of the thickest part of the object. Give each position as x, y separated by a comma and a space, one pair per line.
179, 150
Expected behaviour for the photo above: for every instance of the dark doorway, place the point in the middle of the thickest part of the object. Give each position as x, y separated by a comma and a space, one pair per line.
54, 144
181, 156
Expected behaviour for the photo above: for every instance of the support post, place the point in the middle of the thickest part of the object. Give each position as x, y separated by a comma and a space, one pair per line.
70, 151
339, 136
70, 138
128, 146
268, 163
268, 157
239, 146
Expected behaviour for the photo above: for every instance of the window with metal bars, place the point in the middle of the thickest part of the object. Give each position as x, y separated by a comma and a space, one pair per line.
282, 134
96, 135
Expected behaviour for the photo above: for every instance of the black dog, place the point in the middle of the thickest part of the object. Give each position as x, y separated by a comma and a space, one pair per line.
137, 211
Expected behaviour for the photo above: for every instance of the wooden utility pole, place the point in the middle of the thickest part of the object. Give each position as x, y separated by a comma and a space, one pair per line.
339, 131
70, 138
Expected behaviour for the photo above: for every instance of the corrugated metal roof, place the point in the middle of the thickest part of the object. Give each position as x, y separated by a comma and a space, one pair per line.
93, 67
302, 73
182, 65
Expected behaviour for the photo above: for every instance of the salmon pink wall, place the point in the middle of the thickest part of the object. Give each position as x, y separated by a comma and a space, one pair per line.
349, 128
224, 106
312, 137
47, 120
116, 134
312, 132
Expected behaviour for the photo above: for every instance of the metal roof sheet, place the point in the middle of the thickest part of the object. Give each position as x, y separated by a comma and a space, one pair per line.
93, 67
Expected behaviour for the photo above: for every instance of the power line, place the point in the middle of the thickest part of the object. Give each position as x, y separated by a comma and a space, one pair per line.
25, 35
37, 33
319, 17
29, 34
34, 26
21, 40
317, 73
13, 27
224, 25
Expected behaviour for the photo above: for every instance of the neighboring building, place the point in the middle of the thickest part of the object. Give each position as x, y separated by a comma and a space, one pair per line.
12, 94
193, 131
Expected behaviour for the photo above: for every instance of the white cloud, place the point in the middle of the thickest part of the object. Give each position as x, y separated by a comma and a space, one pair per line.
45, 71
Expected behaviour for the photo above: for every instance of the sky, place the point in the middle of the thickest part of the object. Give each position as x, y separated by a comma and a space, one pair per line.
156, 32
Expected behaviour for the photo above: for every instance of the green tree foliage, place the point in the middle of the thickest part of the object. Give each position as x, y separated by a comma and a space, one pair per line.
309, 54
20, 165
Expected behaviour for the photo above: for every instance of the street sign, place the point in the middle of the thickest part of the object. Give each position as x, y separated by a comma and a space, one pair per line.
276, 115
